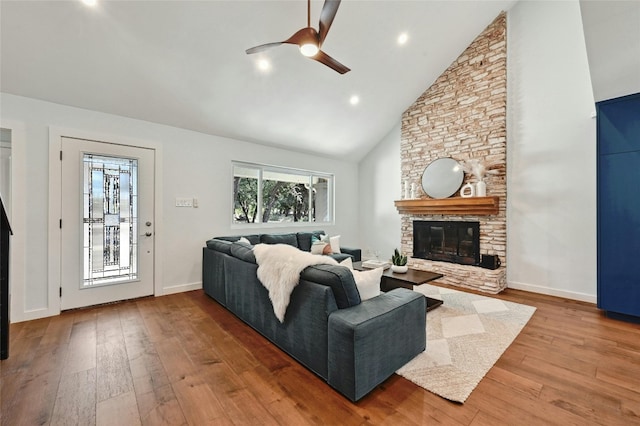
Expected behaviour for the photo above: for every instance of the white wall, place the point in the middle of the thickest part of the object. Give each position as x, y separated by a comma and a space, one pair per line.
551, 152
5, 169
193, 165
551, 210
379, 186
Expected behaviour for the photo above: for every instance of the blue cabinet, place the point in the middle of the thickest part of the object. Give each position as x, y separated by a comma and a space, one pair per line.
619, 207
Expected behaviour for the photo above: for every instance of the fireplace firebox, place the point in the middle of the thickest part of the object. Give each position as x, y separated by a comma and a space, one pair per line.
447, 241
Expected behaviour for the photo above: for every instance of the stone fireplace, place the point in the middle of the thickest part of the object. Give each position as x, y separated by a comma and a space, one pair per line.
447, 241
463, 116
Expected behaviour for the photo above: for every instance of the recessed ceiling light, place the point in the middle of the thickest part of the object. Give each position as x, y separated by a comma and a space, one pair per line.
264, 65
90, 2
354, 100
403, 38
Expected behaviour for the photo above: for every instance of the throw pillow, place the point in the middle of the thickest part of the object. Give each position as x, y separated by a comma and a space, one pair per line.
244, 240
335, 244
319, 238
320, 248
331, 244
367, 282
348, 263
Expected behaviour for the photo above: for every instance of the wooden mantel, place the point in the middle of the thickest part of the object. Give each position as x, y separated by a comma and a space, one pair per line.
476, 206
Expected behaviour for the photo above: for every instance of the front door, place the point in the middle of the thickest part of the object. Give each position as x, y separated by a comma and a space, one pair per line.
107, 226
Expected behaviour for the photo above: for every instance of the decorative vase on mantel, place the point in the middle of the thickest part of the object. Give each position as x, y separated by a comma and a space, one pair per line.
481, 189
475, 167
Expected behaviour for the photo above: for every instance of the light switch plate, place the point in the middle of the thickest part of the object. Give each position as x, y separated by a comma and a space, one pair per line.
184, 202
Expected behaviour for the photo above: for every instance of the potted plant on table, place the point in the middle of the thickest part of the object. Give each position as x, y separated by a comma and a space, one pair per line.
399, 262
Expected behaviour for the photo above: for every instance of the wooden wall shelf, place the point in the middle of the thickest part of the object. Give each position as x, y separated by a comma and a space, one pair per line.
476, 206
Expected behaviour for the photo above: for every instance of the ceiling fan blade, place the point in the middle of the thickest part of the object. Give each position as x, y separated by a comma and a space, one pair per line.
304, 35
299, 38
263, 47
330, 62
329, 10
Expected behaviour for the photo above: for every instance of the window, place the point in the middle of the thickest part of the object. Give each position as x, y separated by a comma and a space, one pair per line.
268, 194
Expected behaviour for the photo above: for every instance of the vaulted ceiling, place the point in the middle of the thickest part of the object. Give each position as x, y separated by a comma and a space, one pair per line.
183, 63
612, 37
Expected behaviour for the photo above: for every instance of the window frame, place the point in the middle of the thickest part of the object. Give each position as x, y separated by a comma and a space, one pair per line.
262, 168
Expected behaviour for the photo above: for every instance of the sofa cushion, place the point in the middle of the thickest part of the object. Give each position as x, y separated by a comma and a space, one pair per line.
243, 251
305, 239
339, 279
219, 245
355, 253
253, 239
290, 239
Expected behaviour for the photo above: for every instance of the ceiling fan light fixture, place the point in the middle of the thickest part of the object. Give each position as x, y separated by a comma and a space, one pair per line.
309, 49
309, 40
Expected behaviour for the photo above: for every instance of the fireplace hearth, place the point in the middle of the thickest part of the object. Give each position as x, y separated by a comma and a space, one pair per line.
447, 241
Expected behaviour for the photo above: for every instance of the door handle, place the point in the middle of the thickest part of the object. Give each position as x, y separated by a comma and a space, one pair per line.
147, 234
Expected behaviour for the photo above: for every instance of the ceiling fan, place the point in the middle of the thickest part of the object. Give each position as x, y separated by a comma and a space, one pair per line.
309, 40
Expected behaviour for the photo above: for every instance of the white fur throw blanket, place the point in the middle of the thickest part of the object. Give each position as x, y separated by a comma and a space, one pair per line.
279, 267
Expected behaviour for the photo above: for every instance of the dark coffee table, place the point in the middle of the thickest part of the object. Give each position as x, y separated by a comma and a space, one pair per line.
412, 277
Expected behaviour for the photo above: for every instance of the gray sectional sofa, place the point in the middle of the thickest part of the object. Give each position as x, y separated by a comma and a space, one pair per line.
353, 345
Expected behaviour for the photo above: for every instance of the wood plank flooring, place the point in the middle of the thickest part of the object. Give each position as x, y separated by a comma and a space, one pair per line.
184, 359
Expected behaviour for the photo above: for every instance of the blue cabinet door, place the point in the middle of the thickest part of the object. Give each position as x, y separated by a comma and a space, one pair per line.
619, 233
619, 205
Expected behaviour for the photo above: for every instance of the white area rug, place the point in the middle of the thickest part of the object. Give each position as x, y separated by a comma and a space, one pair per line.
466, 335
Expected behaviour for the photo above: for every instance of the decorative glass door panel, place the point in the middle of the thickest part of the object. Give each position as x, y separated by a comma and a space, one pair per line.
108, 230
110, 217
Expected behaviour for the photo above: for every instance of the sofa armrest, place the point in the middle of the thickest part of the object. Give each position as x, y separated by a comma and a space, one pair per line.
370, 341
355, 252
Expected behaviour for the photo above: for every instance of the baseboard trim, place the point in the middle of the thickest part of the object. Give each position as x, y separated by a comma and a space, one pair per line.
623, 317
182, 288
583, 297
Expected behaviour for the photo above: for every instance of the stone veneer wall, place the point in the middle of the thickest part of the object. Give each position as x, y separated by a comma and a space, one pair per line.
463, 116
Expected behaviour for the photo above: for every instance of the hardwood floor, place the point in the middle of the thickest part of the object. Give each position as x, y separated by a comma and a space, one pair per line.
183, 359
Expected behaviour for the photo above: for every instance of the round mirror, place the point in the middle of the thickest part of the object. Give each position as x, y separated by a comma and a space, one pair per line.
442, 178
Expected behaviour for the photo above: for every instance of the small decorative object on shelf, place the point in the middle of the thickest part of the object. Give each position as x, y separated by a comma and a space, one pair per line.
375, 263
413, 191
481, 189
479, 171
399, 262
406, 190
467, 190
